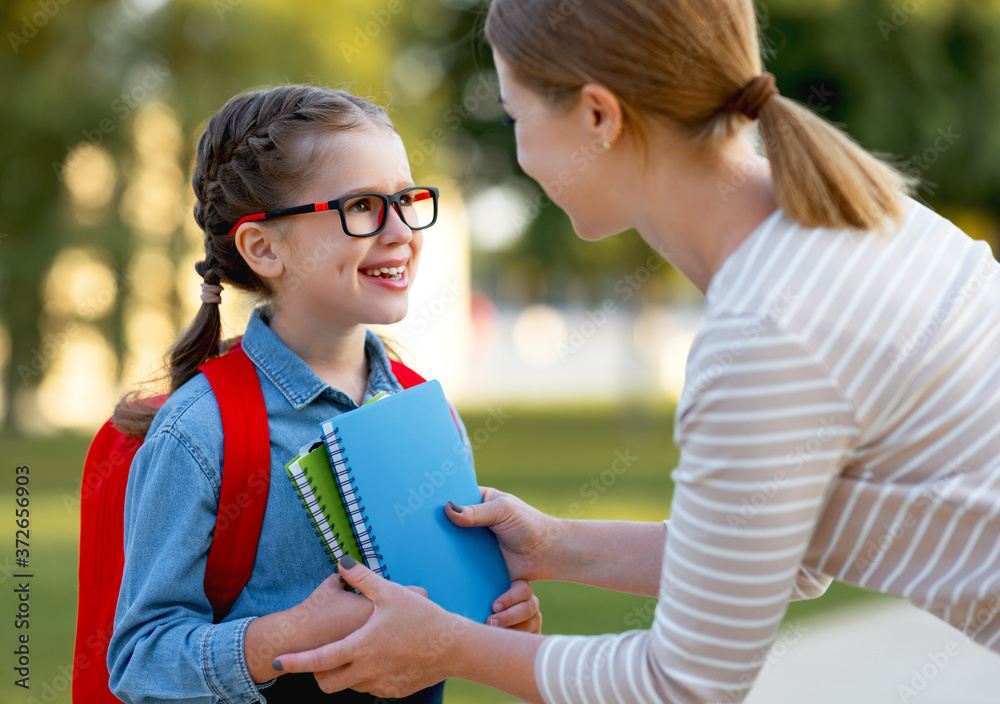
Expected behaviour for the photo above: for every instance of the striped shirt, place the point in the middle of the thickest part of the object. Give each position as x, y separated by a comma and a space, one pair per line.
840, 419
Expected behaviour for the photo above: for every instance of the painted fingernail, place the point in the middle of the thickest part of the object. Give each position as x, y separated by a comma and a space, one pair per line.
277, 665
455, 507
347, 562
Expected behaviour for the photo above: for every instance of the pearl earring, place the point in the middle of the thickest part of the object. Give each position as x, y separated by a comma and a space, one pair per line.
607, 145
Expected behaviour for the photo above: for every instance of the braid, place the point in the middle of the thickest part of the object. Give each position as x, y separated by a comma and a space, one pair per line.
250, 159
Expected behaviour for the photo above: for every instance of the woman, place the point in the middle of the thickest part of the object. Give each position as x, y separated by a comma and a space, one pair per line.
839, 414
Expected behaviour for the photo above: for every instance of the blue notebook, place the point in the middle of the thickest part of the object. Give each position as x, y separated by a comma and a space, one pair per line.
397, 462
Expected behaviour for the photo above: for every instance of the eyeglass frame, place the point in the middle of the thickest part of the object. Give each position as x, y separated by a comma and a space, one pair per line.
338, 205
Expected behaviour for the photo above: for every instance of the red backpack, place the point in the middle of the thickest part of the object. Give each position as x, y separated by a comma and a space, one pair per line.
246, 463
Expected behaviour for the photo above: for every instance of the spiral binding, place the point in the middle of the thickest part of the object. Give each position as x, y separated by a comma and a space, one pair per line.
317, 512
352, 502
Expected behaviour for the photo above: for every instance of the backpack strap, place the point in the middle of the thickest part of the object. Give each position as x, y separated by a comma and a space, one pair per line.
246, 475
408, 378
404, 375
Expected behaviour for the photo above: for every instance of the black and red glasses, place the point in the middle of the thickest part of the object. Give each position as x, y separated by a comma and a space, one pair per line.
365, 214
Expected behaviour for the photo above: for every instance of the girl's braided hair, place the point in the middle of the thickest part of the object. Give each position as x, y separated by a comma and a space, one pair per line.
256, 152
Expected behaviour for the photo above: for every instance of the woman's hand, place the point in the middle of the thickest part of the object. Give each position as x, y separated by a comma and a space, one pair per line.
407, 643
526, 535
329, 613
517, 608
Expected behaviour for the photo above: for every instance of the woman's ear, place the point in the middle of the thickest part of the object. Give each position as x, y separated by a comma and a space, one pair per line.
256, 244
603, 112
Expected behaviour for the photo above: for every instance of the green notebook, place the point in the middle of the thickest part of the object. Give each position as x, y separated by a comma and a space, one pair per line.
313, 480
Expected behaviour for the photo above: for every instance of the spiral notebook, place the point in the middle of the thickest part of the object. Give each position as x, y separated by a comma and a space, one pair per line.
397, 462
312, 476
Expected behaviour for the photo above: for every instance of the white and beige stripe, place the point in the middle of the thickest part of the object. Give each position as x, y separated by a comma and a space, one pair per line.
840, 418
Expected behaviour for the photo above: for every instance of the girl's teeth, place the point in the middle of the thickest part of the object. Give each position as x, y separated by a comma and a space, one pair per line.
390, 272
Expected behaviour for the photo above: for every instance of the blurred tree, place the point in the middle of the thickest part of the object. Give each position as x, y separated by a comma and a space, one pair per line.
915, 79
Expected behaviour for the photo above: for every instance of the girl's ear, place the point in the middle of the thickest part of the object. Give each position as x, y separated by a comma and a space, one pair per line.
256, 245
602, 112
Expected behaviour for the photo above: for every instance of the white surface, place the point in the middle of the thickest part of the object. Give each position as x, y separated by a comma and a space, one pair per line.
876, 654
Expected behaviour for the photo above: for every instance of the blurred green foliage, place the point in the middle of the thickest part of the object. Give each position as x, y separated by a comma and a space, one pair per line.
898, 75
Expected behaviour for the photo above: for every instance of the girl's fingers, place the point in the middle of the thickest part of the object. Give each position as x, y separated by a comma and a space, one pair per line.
519, 591
518, 613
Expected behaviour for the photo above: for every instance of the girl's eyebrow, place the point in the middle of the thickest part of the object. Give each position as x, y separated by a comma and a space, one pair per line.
375, 189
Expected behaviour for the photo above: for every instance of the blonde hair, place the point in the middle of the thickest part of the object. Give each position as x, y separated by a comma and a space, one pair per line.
683, 61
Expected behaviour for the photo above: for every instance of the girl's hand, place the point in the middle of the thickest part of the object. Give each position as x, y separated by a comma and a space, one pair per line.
526, 535
517, 608
406, 644
328, 614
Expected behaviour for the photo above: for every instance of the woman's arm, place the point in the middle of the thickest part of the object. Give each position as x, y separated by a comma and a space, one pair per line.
539, 547
410, 643
724, 584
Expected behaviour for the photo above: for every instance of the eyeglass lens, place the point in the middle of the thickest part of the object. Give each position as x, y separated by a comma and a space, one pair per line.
365, 213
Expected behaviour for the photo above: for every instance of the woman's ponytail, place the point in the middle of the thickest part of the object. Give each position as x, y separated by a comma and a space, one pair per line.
822, 177
698, 65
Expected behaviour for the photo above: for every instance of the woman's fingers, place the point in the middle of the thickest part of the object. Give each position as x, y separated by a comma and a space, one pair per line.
486, 514
325, 658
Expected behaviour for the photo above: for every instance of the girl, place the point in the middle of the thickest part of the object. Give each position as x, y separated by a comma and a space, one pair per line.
265, 151
839, 416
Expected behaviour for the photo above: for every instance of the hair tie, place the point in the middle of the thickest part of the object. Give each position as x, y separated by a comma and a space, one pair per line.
210, 293
751, 99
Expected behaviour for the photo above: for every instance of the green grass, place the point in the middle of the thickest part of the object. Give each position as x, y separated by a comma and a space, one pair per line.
559, 460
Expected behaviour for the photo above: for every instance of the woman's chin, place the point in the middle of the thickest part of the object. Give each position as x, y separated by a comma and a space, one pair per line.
586, 231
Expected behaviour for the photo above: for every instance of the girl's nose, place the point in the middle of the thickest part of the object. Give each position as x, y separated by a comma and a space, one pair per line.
395, 231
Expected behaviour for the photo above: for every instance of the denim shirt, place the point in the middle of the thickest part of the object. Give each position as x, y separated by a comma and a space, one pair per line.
165, 646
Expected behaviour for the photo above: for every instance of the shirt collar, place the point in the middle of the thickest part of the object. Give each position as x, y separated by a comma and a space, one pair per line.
296, 380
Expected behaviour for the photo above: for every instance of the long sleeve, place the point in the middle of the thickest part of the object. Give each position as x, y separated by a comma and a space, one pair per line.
165, 645
763, 431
